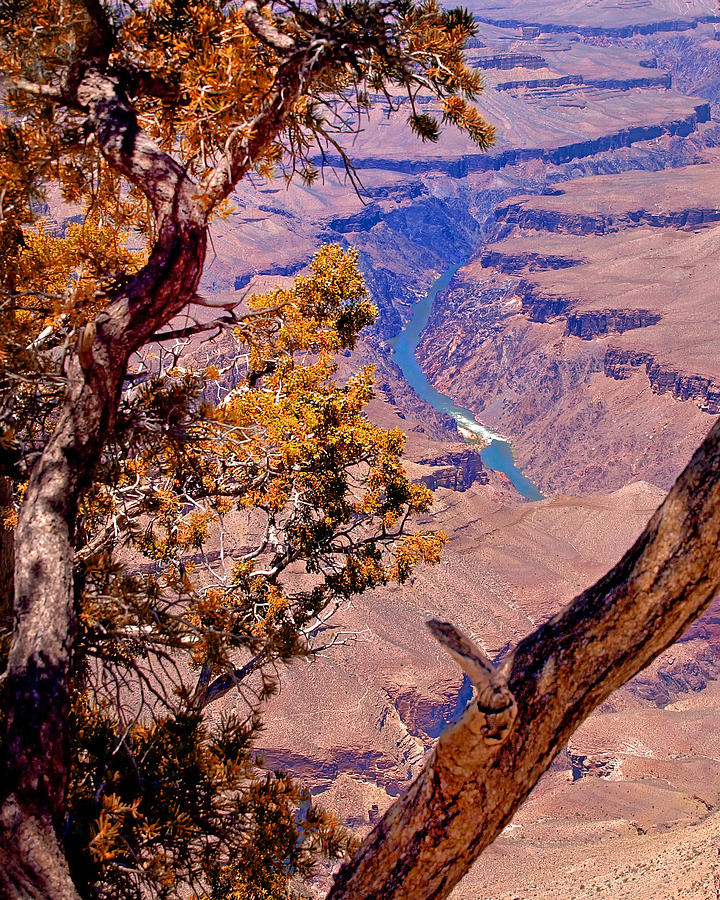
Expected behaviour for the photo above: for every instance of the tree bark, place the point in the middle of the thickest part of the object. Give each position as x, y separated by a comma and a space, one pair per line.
37, 687
37, 680
37, 684
7, 558
33, 863
468, 791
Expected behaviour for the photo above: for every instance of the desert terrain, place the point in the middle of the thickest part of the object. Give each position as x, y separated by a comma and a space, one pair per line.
610, 315
583, 326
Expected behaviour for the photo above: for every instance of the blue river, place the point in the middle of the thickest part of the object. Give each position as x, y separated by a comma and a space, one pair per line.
498, 454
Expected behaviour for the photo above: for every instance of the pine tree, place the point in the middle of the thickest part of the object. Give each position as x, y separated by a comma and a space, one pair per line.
185, 516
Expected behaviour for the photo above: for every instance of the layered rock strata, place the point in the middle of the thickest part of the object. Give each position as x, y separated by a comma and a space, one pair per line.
456, 469
604, 18
591, 335
588, 385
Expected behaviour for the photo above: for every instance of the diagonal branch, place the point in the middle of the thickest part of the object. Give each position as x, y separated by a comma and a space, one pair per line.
302, 63
263, 29
224, 683
468, 791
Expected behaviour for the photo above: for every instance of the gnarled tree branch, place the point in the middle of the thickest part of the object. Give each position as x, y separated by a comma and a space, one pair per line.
468, 790
38, 677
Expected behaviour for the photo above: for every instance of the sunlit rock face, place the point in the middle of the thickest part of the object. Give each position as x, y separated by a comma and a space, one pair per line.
619, 342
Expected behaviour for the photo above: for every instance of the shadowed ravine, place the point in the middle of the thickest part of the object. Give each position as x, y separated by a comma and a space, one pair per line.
498, 454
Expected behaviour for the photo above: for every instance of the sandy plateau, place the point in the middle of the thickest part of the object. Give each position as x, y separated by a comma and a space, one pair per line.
584, 325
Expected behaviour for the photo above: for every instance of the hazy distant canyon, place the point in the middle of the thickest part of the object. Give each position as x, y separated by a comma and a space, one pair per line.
583, 325
571, 104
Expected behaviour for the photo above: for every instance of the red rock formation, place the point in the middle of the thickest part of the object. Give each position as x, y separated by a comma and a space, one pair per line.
456, 469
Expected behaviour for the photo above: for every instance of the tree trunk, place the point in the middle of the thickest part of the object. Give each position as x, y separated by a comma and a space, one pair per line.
468, 791
33, 863
37, 682
37, 686
7, 558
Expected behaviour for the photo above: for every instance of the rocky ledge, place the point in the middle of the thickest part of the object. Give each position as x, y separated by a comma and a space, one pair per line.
616, 84
469, 163
532, 262
604, 31
703, 391
510, 61
592, 323
518, 215
457, 469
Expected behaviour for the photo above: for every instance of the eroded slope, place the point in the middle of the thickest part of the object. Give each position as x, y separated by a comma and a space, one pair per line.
601, 297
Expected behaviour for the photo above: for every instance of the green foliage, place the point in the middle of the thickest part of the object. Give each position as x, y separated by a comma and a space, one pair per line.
424, 126
171, 803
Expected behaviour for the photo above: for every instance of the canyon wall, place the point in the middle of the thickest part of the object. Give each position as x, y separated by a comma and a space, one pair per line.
583, 327
546, 345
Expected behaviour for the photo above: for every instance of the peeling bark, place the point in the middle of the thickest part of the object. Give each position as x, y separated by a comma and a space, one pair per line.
468, 791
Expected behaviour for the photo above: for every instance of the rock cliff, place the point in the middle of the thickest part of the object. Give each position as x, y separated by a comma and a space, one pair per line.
590, 324
582, 21
469, 163
703, 391
517, 215
599, 141
592, 391
456, 469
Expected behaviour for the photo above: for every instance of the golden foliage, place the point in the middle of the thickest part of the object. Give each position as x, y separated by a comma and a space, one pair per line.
199, 78
221, 533
244, 495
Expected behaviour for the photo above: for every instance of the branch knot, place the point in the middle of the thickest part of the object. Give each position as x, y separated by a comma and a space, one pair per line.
494, 700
